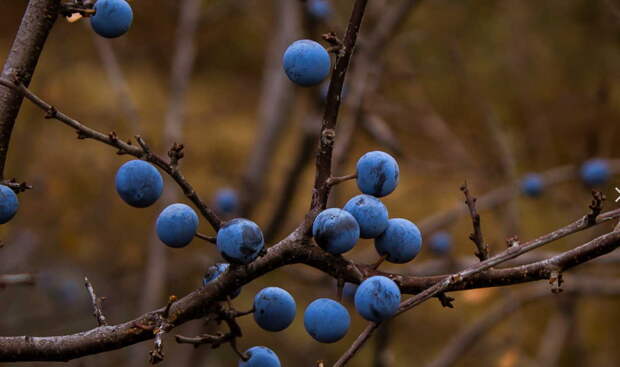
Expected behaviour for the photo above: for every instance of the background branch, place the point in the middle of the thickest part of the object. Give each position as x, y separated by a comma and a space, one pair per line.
464, 340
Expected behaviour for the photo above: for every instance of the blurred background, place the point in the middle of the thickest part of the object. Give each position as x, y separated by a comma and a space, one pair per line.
483, 91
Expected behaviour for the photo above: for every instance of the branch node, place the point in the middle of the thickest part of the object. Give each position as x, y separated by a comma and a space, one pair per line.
51, 113
512, 241
328, 136
172, 299
175, 154
556, 280
596, 207
336, 44
145, 148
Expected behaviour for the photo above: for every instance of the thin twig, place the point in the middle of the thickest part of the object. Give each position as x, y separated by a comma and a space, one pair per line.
16, 185
97, 312
17, 279
503, 194
211, 239
127, 148
330, 117
336, 180
214, 340
357, 344
482, 248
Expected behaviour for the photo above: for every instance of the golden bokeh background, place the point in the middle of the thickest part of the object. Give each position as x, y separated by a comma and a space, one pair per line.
481, 91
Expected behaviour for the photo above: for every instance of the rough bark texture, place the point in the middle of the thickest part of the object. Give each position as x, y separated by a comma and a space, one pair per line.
20, 64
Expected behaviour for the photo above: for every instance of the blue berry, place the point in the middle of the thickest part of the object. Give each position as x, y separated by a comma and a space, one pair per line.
8, 204
260, 357
335, 230
440, 243
326, 320
401, 241
306, 63
532, 185
214, 272
274, 309
240, 241
226, 201
139, 183
319, 9
377, 298
176, 225
595, 172
377, 174
370, 213
112, 18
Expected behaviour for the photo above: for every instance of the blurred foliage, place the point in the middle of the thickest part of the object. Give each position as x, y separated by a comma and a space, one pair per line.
541, 76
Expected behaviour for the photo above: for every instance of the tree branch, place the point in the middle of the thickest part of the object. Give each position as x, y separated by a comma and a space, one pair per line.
330, 117
97, 312
482, 252
542, 270
20, 64
112, 139
293, 250
465, 339
503, 194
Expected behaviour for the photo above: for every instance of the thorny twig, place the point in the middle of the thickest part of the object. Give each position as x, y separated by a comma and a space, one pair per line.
97, 312
482, 248
142, 151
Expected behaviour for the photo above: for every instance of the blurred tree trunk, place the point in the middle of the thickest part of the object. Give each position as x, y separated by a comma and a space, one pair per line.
276, 100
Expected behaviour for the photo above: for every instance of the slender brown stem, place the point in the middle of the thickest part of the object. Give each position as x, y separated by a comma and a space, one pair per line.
330, 117
97, 312
482, 248
357, 344
205, 237
336, 180
123, 148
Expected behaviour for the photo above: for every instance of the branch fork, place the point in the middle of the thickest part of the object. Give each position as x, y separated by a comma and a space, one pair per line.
335, 44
